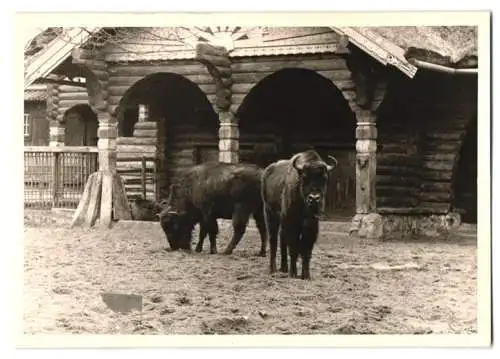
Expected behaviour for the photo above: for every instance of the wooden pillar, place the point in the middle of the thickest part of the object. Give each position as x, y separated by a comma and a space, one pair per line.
104, 195
56, 134
143, 113
370, 79
366, 165
218, 64
228, 138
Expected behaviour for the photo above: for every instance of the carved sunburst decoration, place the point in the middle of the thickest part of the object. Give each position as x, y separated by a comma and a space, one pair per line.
220, 35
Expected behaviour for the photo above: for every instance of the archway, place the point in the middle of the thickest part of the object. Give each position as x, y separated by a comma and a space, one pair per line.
465, 176
181, 127
294, 109
81, 125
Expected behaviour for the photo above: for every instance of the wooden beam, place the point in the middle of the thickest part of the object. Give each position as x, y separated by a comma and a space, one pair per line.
45, 80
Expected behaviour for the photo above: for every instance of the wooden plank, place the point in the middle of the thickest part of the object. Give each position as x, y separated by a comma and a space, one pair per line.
191, 68
106, 208
121, 208
68, 149
95, 201
134, 156
73, 102
145, 133
83, 205
272, 66
136, 141
131, 165
145, 149
438, 165
145, 125
129, 81
74, 96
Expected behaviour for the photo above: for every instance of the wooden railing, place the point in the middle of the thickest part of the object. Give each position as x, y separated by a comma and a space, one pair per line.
56, 176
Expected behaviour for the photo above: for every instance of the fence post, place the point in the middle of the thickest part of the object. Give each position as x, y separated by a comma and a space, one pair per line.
143, 176
55, 179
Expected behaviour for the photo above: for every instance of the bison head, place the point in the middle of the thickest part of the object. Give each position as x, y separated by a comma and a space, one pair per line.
176, 226
313, 182
175, 229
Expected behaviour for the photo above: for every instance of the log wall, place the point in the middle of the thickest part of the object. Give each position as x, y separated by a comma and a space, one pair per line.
263, 140
420, 128
170, 135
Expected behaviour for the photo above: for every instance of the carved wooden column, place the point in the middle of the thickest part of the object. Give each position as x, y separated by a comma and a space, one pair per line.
370, 82
104, 195
217, 61
56, 126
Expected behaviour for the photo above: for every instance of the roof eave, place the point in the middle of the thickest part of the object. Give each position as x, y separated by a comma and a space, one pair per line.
384, 56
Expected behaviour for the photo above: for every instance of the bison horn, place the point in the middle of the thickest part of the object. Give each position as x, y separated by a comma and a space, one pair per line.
171, 194
298, 167
334, 163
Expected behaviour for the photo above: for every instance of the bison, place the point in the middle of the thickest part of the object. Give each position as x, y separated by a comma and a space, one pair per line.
210, 191
293, 192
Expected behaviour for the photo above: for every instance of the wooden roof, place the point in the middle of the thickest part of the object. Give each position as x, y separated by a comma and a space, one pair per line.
453, 46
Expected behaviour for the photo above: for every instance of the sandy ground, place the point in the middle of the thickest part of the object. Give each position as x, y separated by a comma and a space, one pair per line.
358, 286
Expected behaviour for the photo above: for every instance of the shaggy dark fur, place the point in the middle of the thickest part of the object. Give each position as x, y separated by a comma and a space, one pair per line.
210, 191
293, 192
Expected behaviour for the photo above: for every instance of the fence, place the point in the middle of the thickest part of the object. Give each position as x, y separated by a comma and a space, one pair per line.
56, 176
140, 176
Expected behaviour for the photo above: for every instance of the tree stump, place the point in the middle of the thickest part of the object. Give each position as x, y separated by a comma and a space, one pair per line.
104, 197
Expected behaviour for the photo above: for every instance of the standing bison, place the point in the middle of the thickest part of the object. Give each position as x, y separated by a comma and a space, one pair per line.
210, 191
293, 192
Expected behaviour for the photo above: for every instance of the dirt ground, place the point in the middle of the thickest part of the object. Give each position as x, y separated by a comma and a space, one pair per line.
358, 285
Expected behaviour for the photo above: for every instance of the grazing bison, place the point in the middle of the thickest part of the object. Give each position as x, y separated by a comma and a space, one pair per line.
293, 192
210, 191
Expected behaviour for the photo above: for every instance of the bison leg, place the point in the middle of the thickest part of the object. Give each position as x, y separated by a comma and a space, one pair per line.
261, 226
272, 224
240, 221
213, 231
203, 234
310, 234
289, 238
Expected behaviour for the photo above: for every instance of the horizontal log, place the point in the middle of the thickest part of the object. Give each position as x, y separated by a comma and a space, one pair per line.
194, 68
433, 207
145, 125
434, 175
124, 166
436, 186
400, 149
397, 170
440, 147
438, 165
129, 81
390, 201
384, 180
136, 149
145, 133
397, 160
397, 191
138, 188
70, 103
272, 66
447, 136
410, 210
72, 89
255, 77
435, 197
73, 96
440, 157
136, 141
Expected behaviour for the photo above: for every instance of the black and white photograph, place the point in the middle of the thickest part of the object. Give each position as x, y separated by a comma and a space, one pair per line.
218, 181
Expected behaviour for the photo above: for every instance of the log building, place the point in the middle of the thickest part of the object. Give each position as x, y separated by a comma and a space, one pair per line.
397, 106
